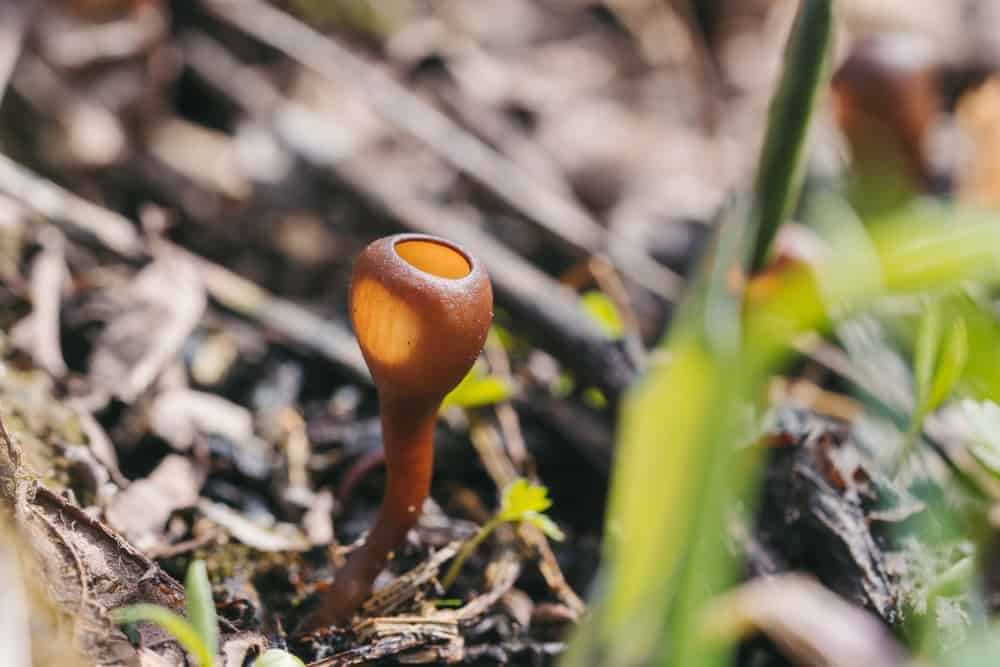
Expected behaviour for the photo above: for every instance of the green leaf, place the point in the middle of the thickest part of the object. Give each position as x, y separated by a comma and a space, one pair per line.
521, 497
275, 657
954, 354
201, 606
925, 354
603, 311
174, 624
523, 501
477, 389
779, 171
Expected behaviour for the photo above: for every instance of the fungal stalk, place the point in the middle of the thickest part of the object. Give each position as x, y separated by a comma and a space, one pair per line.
421, 308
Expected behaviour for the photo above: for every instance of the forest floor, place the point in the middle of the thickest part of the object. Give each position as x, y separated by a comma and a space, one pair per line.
183, 189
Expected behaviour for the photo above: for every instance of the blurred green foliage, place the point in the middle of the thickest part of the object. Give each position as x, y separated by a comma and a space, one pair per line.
684, 458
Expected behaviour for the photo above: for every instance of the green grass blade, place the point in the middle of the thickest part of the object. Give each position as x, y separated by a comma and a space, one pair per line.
173, 624
925, 353
779, 172
200, 606
679, 426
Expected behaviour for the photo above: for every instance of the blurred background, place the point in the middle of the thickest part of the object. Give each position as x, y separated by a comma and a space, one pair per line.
184, 186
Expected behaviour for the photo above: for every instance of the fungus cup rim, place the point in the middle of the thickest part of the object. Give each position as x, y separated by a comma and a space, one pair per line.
474, 266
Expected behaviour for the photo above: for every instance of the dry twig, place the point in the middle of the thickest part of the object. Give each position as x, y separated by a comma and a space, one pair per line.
556, 214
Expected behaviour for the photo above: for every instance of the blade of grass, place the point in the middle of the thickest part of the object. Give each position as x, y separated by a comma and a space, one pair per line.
665, 526
201, 606
174, 624
779, 172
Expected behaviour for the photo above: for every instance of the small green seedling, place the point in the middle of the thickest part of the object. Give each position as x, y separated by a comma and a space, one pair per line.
477, 389
938, 361
198, 634
520, 501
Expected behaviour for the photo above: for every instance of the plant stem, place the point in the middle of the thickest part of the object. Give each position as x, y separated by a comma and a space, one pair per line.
467, 550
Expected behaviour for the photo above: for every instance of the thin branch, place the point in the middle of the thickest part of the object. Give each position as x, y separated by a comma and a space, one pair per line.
560, 217
117, 233
14, 15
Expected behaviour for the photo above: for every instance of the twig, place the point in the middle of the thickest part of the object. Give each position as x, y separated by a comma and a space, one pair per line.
589, 434
76, 214
14, 15
48, 276
489, 446
533, 298
549, 567
117, 234
507, 419
330, 339
557, 215
184, 311
501, 575
496, 130
500, 468
406, 587
78, 43
372, 652
611, 284
94, 134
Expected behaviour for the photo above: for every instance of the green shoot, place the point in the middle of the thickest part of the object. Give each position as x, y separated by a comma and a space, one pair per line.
174, 624
938, 360
520, 502
779, 171
200, 606
199, 633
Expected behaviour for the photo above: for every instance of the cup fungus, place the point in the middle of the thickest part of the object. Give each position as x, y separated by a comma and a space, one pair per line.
421, 308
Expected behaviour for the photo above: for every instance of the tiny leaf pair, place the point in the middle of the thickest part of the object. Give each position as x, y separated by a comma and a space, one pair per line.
523, 501
198, 634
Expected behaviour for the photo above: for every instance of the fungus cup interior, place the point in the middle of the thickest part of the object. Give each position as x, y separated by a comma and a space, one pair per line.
435, 258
